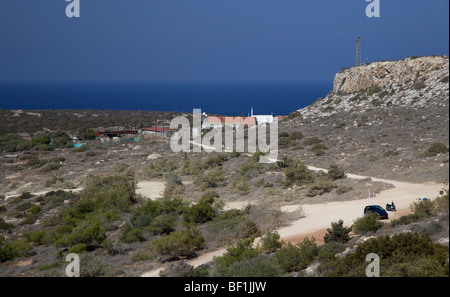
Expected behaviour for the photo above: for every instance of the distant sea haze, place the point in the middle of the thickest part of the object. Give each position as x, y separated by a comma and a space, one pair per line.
230, 98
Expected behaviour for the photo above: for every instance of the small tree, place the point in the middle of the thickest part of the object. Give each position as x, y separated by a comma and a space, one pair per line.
271, 242
370, 222
338, 233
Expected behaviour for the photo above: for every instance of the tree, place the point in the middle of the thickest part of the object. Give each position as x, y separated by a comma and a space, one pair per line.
338, 233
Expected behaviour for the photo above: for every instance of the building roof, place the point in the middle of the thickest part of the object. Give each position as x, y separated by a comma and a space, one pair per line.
158, 129
231, 120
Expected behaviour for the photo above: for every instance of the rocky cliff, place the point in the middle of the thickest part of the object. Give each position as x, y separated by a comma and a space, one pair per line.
380, 120
413, 82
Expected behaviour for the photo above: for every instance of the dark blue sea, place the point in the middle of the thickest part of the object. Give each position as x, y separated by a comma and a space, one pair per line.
279, 98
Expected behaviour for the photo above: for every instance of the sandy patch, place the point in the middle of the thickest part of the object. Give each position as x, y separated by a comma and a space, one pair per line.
150, 189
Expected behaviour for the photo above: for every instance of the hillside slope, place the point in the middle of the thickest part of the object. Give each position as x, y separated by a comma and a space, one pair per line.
380, 120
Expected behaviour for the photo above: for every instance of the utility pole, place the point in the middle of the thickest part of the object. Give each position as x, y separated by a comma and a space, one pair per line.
358, 51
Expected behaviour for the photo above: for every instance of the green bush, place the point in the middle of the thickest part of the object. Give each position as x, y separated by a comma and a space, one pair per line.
158, 169
403, 254
14, 249
240, 184
232, 224
373, 89
297, 173
92, 213
93, 266
251, 168
4, 225
296, 258
163, 224
335, 172
312, 141
338, 233
319, 149
437, 148
258, 266
370, 222
128, 234
424, 209
242, 249
271, 242
284, 142
212, 178
296, 135
322, 185
425, 267
201, 212
179, 244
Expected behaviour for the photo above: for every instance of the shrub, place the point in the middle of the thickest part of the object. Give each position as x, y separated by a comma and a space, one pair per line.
283, 135
319, 149
388, 154
296, 135
93, 266
312, 140
437, 148
424, 209
240, 184
369, 222
403, 254
14, 249
297, 173
232, 224
419, 85
296, 258
343, 189
179, 244
78, 249
163, 224
213, 178
129, 234
158, 169
322, 185
50, 167
284, 142
424, 267
243, 249
251, 168
335, 172
201, 212
258, 266
338, 233
271, 242
373, 89
4, 225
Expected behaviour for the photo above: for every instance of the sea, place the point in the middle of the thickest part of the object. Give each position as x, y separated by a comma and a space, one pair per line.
224, 98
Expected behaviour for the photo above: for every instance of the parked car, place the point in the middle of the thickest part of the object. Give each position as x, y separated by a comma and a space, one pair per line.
380, 211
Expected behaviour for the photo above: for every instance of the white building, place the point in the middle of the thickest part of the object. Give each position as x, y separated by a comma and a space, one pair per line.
262, 119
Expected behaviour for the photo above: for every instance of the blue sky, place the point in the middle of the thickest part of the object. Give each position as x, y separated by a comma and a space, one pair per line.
211, 40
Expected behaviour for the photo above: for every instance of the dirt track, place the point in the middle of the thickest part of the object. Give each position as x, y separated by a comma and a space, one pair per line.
318, 217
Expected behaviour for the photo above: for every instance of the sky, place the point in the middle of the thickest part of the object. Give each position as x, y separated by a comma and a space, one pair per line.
211, 40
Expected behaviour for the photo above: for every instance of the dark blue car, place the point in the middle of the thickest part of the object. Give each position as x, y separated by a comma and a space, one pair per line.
381, 212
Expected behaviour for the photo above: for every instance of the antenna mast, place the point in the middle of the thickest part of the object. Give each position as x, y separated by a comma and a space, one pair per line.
358, 51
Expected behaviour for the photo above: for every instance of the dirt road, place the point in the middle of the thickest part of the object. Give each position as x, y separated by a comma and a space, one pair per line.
318, 217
